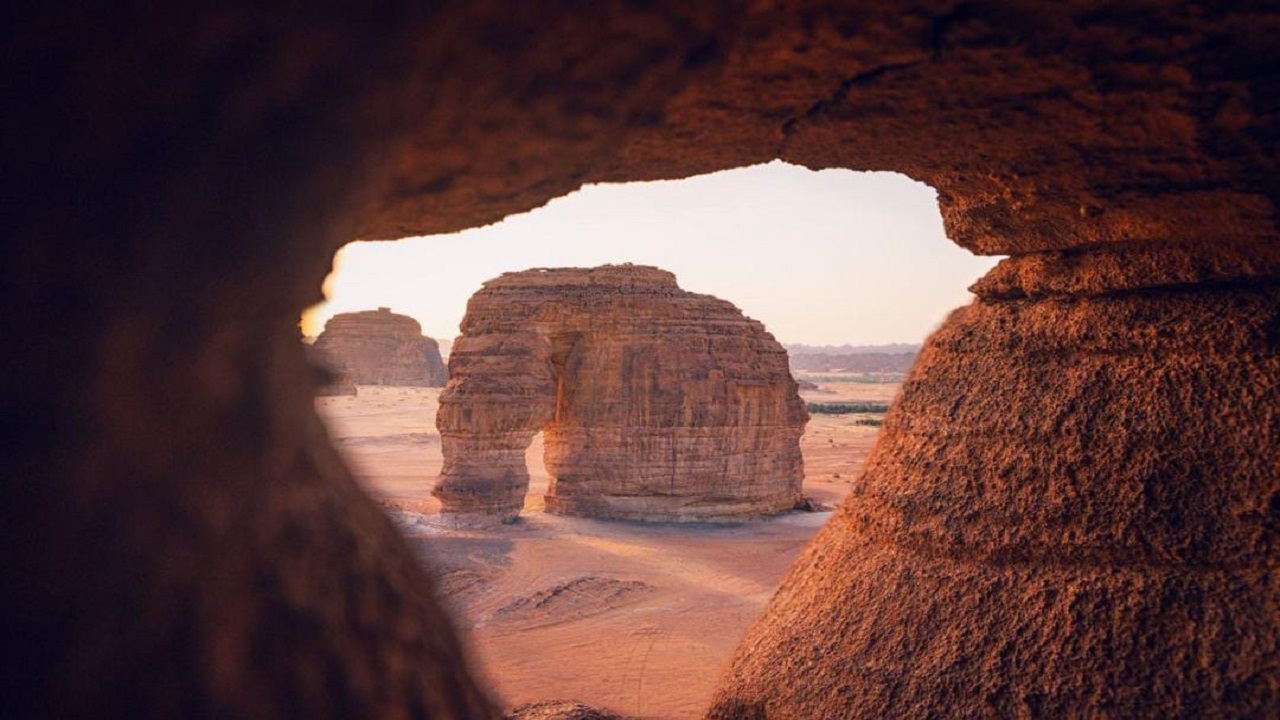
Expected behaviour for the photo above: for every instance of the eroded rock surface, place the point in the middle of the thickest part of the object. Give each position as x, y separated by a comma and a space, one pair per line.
657, 403
379, 347
1073, 511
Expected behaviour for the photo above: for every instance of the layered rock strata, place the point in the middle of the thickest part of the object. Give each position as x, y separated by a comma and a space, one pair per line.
1047, 494
379, 347
656, 403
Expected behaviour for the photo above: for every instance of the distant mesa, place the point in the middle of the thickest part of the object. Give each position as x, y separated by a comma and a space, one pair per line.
656, 403
797, 349
894, 359
379, 347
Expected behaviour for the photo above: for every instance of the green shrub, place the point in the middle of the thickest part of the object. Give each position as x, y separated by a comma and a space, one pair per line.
846, 378
847, 408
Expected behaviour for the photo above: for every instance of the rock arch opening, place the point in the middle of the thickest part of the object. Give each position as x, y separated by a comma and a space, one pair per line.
539, 478
835, 257
838, 258
1101, 543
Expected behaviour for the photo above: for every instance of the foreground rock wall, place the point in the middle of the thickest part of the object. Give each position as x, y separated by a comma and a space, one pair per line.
1043, 527
657, 403
379, 347
181, 539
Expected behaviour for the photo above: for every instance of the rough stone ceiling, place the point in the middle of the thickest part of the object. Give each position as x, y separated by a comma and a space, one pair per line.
1047, 126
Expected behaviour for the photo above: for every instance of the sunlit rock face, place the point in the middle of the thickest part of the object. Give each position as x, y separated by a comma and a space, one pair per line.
657, 403
379, 347
1085, 486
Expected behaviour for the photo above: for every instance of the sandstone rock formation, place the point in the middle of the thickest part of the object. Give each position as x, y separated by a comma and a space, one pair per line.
182, 541
657, 403
335, 378
382, 348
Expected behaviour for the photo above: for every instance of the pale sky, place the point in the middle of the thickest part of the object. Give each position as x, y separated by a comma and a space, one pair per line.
821, 258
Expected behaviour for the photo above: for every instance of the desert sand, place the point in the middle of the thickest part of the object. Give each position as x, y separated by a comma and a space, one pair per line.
640, 618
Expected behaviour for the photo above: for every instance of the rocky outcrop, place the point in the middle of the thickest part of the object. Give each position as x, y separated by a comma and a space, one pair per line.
185, 542
334, 377
1027, 487
656, 403
382, 348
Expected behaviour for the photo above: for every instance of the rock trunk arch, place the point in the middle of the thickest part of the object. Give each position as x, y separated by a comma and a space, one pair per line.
178, 182
656, 403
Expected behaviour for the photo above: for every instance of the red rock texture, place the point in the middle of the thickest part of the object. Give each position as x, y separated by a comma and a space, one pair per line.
657, 403
181, 540
1049, 126
379, 347
1023, 510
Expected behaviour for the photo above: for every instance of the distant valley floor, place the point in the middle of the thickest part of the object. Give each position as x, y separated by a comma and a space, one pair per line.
636, 617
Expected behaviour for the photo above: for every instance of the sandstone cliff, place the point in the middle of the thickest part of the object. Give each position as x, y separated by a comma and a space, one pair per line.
657, 403
382, 348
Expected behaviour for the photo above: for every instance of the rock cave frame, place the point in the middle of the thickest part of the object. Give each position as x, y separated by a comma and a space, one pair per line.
1073, 507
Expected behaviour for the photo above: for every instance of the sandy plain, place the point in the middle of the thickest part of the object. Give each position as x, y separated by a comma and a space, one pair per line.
640, 618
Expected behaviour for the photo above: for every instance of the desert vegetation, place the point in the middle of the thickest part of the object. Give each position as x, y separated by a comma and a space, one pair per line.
842, 378
847, 408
